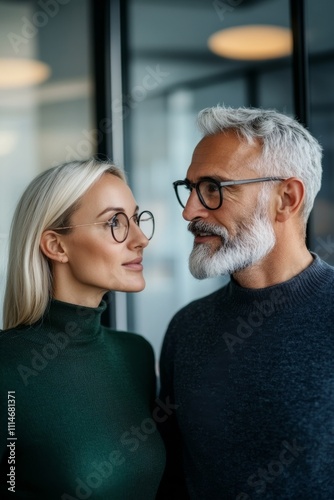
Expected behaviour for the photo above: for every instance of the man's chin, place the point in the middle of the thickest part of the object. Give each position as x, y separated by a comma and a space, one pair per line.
200, 262
206, 262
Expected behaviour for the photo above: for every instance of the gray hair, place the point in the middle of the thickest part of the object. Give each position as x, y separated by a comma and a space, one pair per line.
288, 149
49, 201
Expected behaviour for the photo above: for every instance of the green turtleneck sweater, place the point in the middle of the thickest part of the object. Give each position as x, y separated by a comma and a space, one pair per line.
77, 411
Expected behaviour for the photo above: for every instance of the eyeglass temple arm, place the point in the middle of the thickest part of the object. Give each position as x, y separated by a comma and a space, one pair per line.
250, 181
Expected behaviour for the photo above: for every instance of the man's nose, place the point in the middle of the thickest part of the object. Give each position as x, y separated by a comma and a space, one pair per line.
194, 208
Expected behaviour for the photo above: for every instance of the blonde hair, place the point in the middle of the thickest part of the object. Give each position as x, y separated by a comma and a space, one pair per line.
48, 201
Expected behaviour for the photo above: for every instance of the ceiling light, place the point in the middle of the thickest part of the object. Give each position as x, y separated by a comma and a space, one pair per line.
16, 73
252, 42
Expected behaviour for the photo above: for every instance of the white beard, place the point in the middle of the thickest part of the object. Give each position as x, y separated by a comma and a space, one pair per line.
253, 241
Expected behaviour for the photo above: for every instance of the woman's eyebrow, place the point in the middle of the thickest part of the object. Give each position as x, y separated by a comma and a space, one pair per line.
115, 209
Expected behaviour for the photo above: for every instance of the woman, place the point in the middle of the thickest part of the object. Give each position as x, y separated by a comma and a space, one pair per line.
76, 397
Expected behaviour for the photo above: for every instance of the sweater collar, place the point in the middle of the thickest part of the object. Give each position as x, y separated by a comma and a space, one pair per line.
298, 290
78, 322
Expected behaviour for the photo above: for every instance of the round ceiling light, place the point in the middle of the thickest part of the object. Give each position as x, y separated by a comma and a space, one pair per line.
16, 73
256, 42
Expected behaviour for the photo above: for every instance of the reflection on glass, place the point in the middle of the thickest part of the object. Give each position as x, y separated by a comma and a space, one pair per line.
169, 40
321, 43
45, 107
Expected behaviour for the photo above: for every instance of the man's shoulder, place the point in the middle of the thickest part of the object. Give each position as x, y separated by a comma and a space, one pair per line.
325, 275
323, 263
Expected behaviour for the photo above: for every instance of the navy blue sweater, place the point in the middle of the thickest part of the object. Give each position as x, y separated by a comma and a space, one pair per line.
252, 373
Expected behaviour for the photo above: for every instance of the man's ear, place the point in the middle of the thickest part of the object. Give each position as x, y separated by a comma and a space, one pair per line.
52, 246
290, 199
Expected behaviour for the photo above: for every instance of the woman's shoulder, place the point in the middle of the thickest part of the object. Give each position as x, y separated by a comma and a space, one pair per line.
12, 334
134, 348
129, 339
12, 343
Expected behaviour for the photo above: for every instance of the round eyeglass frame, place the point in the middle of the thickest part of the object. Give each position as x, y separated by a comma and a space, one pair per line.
219, 184
112, 220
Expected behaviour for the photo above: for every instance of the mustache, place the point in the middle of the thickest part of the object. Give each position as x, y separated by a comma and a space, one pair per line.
199, 227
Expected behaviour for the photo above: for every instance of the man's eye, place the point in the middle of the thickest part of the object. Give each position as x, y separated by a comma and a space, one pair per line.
210, 187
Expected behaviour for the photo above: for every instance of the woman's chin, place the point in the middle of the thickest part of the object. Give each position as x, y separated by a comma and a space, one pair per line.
134, 286
139, 288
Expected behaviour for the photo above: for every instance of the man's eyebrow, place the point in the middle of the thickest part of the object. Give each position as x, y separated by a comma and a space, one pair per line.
115, 209
217, 178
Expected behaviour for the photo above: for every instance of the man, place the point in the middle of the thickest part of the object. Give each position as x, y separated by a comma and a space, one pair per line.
249, 369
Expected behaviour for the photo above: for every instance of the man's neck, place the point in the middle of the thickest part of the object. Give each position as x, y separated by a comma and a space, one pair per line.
276, 267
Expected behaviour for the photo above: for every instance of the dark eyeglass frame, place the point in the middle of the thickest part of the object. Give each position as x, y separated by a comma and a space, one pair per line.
219, 184
112, 221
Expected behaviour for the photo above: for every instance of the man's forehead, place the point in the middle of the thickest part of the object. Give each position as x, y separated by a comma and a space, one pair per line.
223, 155
219, 168
226, 143
215, 171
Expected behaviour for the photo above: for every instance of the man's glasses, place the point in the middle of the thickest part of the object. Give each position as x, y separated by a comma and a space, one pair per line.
209, 191
120, 223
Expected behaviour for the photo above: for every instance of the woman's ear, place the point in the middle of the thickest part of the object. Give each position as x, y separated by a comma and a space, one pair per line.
291, 195
52, 247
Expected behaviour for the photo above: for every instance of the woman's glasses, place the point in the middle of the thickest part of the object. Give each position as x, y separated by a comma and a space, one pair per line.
120, 224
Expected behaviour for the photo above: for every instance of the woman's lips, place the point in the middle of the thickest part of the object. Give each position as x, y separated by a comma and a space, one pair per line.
134, 265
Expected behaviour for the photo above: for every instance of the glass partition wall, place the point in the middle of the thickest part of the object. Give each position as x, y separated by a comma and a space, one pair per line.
172, 74
131, 89
321, 105
46, 104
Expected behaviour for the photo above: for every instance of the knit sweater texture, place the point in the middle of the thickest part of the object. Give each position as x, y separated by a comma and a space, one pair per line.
80, 422
252, 373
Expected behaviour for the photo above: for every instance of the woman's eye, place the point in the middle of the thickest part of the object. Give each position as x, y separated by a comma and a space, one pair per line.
114, 222
136, 219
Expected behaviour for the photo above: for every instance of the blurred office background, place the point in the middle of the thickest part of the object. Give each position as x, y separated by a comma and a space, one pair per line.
126, 79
